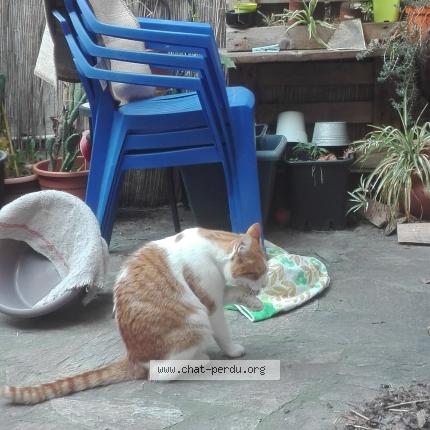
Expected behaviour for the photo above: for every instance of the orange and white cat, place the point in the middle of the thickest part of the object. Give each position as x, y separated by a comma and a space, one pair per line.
169, 304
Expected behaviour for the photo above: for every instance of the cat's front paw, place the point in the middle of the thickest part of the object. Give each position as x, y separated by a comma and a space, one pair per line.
254, 303
235, 351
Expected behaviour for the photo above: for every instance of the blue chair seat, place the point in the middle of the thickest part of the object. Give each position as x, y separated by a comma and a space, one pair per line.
183, 110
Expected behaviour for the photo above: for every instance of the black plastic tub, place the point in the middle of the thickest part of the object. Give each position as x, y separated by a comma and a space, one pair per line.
206, 190
241, 19
317, 193
3, 157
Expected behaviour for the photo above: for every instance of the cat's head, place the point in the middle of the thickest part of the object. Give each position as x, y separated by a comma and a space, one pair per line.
247, 265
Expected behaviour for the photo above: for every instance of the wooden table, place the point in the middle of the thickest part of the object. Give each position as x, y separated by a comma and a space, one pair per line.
325, 85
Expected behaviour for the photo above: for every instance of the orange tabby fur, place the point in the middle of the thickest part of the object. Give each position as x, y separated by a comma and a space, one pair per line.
154, 313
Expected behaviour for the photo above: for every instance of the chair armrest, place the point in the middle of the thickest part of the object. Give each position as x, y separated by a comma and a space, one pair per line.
173, 61
92, 72
197, 40
175, 26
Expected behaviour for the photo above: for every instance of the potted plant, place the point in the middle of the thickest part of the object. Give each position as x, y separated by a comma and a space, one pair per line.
401, 50
16, 178
401, 180
304, 18
318, 183
20, 178
64, 169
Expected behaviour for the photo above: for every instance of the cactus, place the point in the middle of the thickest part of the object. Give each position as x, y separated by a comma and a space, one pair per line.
66, 142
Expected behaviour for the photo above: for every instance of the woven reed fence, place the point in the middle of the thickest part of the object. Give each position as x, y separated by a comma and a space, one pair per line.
30, 102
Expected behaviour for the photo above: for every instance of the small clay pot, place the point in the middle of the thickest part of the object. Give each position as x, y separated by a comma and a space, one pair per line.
71, 182
17, 187
420, 200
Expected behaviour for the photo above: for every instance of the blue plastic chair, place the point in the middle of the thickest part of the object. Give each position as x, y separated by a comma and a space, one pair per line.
208, 123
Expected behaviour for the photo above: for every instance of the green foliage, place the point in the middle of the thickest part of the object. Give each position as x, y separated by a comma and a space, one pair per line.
416, 3
366, 7
226, 61
359, 197
65, 144
307, 151
407, 153
399, 66
19, 163
303, 16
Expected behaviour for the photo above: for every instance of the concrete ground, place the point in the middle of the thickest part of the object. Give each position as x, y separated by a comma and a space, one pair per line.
369, 328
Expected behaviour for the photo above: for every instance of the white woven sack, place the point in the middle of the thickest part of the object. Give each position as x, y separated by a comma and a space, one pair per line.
117, 13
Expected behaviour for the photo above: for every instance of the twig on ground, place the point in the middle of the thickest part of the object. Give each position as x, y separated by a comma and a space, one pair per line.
399, 410
360, 415
356, 426
406, 403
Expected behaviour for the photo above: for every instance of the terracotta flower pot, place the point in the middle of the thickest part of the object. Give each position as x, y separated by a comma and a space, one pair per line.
295, 5
71, 182
17, 187
347, 12
420, 200
418, 17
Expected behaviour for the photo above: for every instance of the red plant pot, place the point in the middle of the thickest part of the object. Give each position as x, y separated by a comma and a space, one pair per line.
17, 187
420, 200
71, 182
418, 17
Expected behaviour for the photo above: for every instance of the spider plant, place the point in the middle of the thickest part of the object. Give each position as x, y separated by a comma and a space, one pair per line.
366, 7
305, 16
407, 156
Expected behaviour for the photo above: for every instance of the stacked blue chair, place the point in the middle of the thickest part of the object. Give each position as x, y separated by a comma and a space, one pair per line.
205, 123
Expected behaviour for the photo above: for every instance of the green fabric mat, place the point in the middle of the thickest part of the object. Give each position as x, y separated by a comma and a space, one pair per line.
293, 280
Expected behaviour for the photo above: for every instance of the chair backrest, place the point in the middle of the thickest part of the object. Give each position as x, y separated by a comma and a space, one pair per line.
189, 50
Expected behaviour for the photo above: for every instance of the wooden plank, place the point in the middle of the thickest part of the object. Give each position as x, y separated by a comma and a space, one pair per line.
377, 213
378, 30
351, 112
295, 38
294, 56
414, 233
325, 73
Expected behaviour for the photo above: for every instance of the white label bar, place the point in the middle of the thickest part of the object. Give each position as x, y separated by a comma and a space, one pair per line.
215, 370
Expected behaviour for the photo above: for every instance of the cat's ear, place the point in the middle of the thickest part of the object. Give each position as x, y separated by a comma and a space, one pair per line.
243, 245
254, 231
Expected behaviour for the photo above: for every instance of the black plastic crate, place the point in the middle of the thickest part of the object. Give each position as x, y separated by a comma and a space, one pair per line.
206, 189
317, 193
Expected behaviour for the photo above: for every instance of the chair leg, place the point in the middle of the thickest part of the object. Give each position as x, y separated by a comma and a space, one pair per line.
172, 199
104, 181
244, 192
107, 223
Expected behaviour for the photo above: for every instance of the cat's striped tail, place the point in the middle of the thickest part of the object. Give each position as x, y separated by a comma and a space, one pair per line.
111, 374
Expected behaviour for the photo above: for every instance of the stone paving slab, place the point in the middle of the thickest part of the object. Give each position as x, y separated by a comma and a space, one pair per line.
369, 328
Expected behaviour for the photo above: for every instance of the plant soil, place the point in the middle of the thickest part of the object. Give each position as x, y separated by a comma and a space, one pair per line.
393, 409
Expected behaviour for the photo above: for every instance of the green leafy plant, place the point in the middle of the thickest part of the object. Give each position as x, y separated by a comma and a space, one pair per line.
400, 51
416, 3
366, 7
65, 143
307, 151
407, 155
304, 16
226, 61
19, 163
